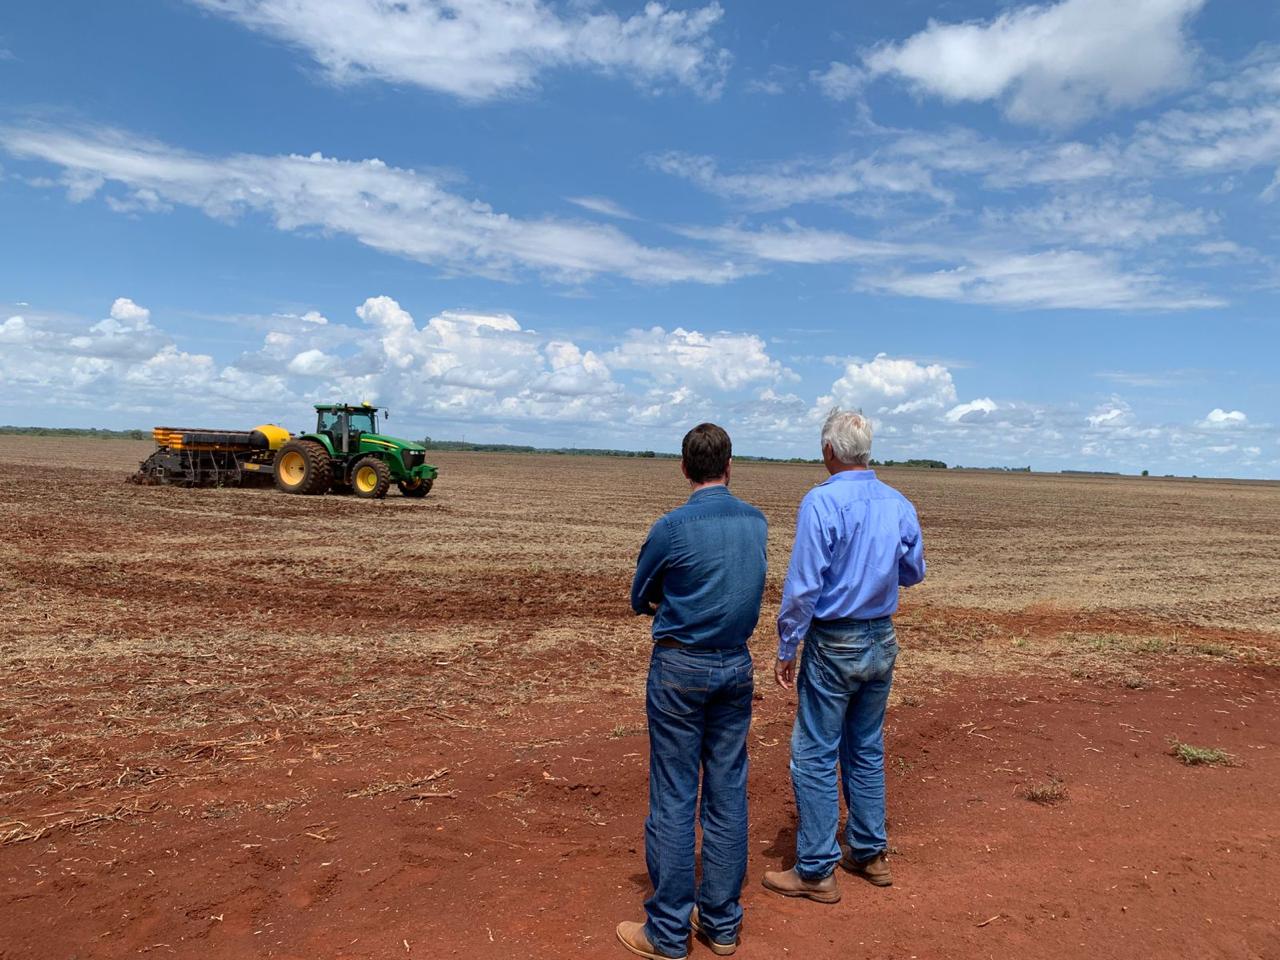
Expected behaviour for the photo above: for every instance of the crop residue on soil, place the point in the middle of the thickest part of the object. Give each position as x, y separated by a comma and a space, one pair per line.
234, 723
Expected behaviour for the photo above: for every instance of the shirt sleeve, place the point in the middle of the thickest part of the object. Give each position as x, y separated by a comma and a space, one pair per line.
911, 549
646, 588
810, 559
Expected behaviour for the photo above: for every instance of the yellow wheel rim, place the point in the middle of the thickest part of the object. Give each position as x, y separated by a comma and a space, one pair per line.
366, 479
293, 468
413, 484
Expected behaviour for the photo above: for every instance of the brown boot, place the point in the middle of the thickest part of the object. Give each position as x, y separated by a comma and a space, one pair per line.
631, 935
719, 949
791, 884
875, 870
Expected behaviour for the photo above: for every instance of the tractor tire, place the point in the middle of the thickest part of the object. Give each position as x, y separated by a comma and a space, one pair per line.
419, 488
370, 478
303, 466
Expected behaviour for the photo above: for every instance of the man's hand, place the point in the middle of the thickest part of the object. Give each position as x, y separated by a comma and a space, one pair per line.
784, 671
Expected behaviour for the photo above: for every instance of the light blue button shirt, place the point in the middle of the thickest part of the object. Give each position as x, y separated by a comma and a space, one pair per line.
857, 541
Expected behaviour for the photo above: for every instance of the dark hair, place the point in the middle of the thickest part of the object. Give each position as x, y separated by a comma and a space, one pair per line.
705, 452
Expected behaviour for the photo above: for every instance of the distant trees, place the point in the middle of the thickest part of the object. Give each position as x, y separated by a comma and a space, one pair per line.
926, 464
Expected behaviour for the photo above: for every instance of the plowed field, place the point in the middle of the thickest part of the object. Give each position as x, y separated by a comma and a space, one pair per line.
238, 724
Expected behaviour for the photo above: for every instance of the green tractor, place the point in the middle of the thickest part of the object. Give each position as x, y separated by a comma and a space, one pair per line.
346, 454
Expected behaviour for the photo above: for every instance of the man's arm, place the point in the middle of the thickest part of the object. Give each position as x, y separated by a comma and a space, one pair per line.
646, 588
810, 558
911, 549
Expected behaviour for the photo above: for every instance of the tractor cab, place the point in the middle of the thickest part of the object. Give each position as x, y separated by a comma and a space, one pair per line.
344, 425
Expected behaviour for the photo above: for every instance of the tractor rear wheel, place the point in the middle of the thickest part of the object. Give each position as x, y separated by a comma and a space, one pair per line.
303, 466
415, 488
370, 478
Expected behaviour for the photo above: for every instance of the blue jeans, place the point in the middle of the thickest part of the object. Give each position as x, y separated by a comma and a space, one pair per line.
843, 685
699, 707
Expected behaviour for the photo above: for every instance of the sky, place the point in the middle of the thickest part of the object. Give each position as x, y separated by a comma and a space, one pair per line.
1011, 234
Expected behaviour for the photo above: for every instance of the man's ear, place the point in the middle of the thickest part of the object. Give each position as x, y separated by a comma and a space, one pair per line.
727, 467
684, 469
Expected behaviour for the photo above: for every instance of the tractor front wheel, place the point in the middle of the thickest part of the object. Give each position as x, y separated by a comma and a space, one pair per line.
370, 478
302, 466
415, 488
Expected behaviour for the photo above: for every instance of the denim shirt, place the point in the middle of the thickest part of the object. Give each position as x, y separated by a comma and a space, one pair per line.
703, 566
857, 541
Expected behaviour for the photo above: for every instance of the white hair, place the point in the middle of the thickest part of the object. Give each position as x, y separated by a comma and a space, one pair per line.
849, 435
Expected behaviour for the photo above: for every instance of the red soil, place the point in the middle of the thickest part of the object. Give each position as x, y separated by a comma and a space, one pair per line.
532, 847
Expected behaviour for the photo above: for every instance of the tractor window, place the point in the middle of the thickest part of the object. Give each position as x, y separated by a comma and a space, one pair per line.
364, 423
330, 422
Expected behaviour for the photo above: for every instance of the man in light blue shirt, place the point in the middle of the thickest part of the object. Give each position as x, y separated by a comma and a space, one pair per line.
857, 541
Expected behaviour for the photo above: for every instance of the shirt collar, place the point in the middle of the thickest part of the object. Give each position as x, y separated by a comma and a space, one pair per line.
717, 490
855, 475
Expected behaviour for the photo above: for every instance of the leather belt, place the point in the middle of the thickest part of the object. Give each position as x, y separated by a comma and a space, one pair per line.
690, 648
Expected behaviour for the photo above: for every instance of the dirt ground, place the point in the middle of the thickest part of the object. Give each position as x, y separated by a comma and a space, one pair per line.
238, 724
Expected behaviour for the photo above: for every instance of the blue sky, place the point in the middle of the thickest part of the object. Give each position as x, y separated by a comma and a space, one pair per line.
1012, 234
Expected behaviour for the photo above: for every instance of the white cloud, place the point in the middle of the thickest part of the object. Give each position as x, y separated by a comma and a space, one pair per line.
122, 362
973, 410
312, 363
1057, 279
1114, 413
780, 185
724, 360
470, 372
1104, 220
791, 243
1219, 419
16, 330
892, 386
840, 81
1054, 64
482, 49
129, 312
602, 205
390, 209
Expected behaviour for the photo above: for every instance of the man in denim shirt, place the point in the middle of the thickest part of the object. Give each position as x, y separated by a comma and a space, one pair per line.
857, 541
700, 576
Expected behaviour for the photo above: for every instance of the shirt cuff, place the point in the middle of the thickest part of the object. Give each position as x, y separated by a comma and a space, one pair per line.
787, 647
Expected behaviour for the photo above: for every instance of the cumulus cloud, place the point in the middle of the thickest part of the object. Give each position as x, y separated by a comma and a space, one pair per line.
312, 363
1052, 64
460, 371
1218, 419
390, 209
1114, 413
892, 386
971, 411
128, 312
725, 360
482, 49
121, 362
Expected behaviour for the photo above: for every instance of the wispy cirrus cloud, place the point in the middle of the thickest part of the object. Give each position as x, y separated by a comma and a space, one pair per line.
484, 49
779, 185
391, 209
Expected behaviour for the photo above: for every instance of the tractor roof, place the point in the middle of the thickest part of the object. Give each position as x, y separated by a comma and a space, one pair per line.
345, 406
